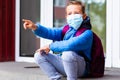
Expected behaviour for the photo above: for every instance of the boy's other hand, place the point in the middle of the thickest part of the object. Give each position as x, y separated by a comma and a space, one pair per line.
45, 49
28, 24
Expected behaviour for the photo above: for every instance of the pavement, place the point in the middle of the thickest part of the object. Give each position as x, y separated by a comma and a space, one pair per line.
30, 71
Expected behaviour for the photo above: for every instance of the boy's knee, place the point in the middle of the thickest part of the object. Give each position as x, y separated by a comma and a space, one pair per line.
69, 56
38, 58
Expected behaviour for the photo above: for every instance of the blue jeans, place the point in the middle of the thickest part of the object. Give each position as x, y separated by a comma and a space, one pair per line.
69, 64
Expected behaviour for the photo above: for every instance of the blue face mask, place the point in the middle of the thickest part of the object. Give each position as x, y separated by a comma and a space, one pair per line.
75, 20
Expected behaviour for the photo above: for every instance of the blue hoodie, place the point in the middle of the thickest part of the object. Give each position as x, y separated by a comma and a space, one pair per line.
70, 42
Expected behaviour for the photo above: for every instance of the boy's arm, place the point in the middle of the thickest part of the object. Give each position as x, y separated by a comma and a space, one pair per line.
48, 33
78, 43
41, 31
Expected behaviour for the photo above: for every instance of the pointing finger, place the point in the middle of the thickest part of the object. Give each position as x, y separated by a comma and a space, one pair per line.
24, 25
24, 20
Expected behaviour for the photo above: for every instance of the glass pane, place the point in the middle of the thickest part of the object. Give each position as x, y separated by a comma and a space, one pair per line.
59, 12
29, 9
96, 9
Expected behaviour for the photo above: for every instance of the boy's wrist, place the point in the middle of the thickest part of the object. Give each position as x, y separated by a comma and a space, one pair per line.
34, 27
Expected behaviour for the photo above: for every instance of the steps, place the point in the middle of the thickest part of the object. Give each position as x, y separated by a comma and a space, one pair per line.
30, 71
17, 71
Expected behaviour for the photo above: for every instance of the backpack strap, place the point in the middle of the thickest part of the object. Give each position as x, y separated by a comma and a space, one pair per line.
65, 29
78, 32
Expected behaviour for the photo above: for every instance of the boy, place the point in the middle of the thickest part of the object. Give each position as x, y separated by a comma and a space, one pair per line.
71, 63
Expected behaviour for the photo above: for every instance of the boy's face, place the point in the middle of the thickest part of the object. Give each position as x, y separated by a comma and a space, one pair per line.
73, 9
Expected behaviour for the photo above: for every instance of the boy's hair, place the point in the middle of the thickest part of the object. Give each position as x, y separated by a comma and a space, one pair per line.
77, 3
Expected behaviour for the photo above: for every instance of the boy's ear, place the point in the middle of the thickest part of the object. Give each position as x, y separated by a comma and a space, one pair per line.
84, 15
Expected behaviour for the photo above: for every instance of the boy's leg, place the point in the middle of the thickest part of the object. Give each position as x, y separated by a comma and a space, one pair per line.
74, 65
51, 64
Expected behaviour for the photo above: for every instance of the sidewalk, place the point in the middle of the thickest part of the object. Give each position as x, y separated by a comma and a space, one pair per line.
30, 71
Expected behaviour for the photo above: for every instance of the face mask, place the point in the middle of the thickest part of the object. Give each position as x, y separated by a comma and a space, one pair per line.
75, 20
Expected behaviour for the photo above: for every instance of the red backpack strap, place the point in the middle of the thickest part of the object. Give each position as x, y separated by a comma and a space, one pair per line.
65, 29
80, 31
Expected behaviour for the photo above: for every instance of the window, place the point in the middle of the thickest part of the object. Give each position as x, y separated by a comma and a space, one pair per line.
60, 3
96, 9
29, 9
59, 13
26, 42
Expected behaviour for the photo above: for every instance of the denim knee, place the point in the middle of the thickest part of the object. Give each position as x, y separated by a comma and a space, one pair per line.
39, 58
69, 56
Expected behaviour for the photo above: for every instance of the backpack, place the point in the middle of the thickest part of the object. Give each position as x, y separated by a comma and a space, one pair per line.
97, 63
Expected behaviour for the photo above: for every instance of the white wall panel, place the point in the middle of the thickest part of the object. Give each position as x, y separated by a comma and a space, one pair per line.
113, 33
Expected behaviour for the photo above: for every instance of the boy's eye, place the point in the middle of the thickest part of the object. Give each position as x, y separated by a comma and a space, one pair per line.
76, 13
69, 13
73, 13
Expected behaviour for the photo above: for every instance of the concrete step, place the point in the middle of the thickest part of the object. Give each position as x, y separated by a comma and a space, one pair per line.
18, 71
30, 71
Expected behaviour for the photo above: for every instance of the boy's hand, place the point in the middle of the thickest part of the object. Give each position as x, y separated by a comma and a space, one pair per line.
45, 49
29, 24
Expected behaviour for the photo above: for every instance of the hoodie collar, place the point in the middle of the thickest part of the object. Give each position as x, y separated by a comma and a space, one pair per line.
86, 23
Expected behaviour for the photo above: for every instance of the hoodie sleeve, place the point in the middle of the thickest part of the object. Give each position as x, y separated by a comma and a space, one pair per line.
78, 43
48, 33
